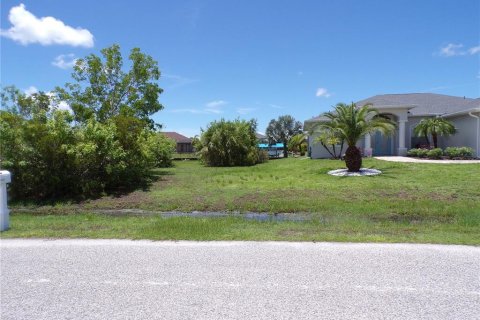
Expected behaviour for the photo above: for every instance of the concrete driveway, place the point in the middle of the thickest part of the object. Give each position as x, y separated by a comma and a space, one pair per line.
416, 160
121, 279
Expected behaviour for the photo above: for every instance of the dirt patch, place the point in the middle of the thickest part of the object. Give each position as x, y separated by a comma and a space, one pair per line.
134, 199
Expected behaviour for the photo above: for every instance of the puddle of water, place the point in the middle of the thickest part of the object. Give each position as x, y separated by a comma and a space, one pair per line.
256, 216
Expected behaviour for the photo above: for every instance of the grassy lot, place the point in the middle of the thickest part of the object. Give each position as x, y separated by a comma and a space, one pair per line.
437, 203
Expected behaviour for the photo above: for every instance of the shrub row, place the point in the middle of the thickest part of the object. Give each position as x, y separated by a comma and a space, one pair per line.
50, 156
438, 153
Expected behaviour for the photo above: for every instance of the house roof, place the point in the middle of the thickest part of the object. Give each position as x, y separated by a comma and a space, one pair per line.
422, 103
177, 137
260, 136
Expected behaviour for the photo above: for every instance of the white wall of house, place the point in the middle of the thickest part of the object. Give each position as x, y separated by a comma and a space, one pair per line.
319, 152
466, 136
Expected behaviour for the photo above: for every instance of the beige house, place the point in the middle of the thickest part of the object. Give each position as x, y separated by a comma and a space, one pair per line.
407, 110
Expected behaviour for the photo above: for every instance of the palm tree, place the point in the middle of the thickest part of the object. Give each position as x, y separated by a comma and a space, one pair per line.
435, 127
330, 139
351, 123
297, 142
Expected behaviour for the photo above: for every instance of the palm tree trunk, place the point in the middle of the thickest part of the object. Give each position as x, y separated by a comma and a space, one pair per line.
353, 159
434, 137
341, 148
285, 149
426, 138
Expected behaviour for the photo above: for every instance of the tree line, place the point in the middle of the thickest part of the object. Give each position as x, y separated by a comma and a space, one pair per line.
105, 141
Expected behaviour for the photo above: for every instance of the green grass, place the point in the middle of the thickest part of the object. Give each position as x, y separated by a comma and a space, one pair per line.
352, 229
436, 203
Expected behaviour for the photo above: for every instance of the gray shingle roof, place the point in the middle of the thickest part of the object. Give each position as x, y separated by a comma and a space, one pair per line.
177, 137
425, 103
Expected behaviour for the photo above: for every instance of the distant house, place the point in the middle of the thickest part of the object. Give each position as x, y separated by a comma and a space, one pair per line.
261, 138
184, 144
407, 110
274, 150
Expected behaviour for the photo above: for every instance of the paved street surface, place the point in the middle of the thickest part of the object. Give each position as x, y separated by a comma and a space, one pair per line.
116, 279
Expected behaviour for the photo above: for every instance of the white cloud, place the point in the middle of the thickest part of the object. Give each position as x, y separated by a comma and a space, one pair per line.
322, 92
216, 104
30, 90
175, 81
189, 110
62, 105
212, 107
474, 50
27, 28
65, 61
452, 50
245, 110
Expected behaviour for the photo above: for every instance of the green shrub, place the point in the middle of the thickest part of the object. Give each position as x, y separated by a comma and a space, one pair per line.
418, 153
229, 143
51, 156
436, 153
422, 153
459, 152
413, 152
161, 149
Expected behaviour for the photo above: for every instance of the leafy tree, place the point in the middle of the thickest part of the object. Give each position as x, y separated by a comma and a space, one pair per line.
229, 143
102, 90
350, 123
434, 127
282, 130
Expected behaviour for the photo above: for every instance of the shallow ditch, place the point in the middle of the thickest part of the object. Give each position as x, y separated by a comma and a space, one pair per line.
255, 216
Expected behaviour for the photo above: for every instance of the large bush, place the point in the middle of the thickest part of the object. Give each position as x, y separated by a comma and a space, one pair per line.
230, 143
50, 156
105, 142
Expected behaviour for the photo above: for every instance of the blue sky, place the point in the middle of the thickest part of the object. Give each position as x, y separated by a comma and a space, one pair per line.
253, 59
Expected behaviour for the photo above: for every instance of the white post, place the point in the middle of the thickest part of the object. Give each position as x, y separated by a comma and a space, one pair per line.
5, 178
401, 138
367, 152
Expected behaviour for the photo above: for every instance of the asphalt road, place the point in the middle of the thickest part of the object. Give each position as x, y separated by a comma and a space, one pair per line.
116, 279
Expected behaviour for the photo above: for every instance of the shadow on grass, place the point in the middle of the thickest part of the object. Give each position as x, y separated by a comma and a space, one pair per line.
145, 184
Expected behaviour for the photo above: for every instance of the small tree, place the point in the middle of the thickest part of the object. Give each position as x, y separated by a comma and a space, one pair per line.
350, 123
329, 139
434, 127
282, 130
297, 143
